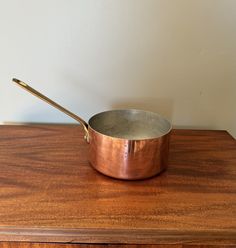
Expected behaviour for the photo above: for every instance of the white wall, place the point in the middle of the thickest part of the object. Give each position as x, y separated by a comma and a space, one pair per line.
175, 57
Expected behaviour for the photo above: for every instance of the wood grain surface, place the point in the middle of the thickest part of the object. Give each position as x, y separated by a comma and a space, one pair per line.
50, 193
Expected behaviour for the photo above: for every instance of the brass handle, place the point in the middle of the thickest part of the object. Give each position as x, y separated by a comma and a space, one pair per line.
54, 104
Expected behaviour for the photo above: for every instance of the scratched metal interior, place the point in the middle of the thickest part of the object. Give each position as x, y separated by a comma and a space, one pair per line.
130, 124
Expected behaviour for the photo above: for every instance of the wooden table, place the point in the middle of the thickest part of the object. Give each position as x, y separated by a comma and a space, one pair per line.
49, 193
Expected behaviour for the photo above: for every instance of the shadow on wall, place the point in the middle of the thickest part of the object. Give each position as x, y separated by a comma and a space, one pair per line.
162, 106
43, 113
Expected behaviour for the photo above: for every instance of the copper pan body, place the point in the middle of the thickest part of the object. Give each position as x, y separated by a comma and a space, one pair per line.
138, 157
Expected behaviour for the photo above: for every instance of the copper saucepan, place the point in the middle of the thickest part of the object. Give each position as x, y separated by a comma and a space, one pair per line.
125, 144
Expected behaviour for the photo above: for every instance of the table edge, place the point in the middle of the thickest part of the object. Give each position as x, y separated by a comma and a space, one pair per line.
127, 236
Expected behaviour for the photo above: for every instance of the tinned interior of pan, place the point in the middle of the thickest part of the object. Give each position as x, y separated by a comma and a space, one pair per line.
130, 124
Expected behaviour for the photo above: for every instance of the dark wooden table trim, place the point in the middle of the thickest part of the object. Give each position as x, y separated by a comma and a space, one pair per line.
113, 236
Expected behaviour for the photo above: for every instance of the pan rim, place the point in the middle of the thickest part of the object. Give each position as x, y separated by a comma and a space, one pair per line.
169, 129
